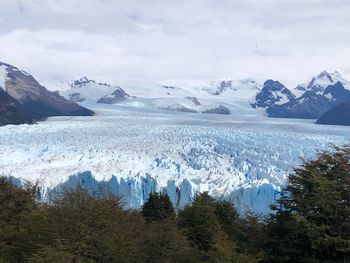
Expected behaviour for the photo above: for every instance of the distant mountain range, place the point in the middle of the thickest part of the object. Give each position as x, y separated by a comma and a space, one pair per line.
24, 100
306, 101
325, 91
217, 97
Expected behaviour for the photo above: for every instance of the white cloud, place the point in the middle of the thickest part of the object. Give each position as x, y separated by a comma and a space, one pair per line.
157, 39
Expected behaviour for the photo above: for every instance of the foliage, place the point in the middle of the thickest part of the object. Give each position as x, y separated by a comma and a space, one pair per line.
205, 222
310, 223
158, 207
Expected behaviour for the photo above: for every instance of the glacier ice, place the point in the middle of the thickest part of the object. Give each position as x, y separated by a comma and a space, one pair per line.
245, 160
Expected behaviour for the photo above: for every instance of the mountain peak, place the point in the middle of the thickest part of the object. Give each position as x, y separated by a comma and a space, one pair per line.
273, 85
273, 92
319, 83
81, 82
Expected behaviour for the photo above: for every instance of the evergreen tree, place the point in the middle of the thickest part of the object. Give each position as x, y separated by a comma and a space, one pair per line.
15, 205
91, 227
313, 215
164, 242
227, 216
203, 228
287, 238
158, 207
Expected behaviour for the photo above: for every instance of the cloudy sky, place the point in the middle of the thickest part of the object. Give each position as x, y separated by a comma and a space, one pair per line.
289, 40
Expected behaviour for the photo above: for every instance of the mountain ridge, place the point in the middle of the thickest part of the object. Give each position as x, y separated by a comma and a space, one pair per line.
27, 95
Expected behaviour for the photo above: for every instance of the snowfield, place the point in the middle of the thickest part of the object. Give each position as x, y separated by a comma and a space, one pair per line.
244, 158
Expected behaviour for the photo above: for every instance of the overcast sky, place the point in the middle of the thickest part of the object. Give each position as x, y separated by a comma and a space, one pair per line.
289, 40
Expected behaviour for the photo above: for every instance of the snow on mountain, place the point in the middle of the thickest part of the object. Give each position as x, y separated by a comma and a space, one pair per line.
3, 76
272, 93
324, 91
191, 96
243, 88
245, 159
87, 90
319, 83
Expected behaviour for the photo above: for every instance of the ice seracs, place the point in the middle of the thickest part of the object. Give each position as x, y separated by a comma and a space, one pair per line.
244, 160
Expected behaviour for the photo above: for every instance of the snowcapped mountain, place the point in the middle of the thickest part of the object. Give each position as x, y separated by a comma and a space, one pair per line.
225, 96
323, 92
273, 92
24, 99
319, 83
245, 88
88, 90
191, 96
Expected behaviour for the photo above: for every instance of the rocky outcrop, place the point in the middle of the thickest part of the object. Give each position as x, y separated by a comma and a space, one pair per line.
116, 96
218, 110
178, 108
194, 100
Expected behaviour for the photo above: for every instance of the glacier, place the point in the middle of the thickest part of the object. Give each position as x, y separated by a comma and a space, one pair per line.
245, 159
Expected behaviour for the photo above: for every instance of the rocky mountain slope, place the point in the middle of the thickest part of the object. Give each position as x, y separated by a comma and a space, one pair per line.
339, 115
11, 112
28, 96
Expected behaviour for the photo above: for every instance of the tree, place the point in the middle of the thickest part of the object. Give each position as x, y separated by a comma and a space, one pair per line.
158, 207
91, 227
164, 242
203, 228
227, 215
15, 205
287, 238
313, 215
